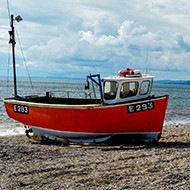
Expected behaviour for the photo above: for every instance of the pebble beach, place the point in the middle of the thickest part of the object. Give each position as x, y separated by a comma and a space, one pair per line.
28, 164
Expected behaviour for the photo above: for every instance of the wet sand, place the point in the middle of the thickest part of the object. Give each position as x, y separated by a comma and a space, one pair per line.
26, 164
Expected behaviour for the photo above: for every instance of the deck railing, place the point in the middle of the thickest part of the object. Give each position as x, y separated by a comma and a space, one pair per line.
74, 94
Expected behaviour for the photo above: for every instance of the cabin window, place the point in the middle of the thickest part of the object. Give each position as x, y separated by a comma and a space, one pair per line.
128, 89
144, 87
110, 90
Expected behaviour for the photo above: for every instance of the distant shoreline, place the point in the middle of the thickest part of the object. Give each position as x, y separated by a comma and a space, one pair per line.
179, 82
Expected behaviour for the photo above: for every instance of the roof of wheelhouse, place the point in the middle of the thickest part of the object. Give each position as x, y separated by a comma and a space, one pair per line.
120, 78
129, 74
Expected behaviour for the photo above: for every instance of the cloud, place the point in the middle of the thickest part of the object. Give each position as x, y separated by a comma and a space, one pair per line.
66, 37
182, 45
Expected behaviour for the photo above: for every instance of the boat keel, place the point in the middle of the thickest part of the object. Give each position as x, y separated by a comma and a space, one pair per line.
41, 134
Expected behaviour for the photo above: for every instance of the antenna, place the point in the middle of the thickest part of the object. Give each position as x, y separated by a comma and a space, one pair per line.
146, 59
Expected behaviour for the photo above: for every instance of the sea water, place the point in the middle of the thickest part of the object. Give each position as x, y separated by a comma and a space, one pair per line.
178, 110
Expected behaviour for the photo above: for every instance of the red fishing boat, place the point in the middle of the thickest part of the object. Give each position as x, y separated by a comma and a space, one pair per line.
124, 111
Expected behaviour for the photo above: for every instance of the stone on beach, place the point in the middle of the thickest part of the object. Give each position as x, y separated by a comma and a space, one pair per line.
25, 164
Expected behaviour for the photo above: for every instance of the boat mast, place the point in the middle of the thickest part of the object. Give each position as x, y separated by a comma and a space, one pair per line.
12, 41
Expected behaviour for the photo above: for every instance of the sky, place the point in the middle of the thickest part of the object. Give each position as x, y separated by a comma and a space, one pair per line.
71, 39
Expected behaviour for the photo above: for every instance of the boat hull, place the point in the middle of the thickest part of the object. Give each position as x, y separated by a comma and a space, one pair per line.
90, 123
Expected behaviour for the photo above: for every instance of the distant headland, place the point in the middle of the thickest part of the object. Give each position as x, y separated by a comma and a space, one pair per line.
181, 82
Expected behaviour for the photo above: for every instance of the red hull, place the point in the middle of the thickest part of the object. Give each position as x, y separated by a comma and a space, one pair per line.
112, 119
109, 118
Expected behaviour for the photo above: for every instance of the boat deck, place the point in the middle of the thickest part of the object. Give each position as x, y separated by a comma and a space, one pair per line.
61, 100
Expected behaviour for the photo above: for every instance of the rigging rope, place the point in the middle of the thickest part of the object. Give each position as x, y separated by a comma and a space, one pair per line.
8, 70
9, 16
22, 52
8, 9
